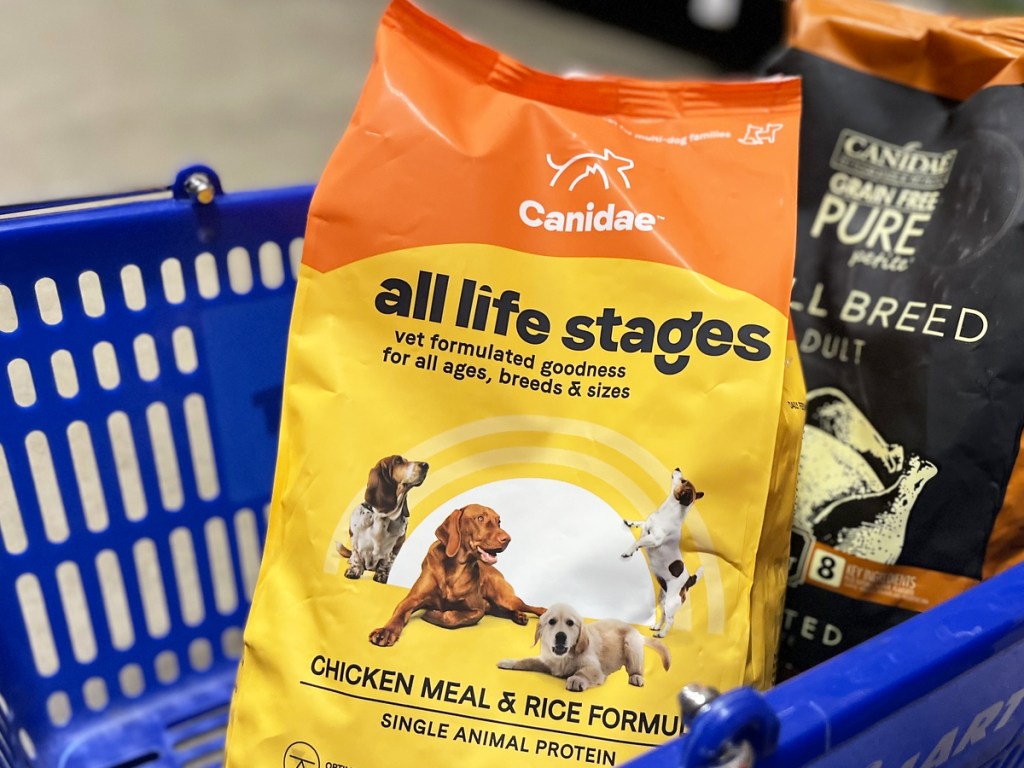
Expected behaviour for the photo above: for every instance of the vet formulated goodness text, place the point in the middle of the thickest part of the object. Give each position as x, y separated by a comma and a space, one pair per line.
540, 422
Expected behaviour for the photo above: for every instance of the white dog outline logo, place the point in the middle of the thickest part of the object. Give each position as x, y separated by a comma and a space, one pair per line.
591, 164
760, 134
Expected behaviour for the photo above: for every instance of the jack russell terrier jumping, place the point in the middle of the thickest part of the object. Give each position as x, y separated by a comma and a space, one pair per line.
660, 536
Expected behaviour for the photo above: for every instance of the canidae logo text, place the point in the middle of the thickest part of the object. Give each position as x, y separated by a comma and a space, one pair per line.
906, 166
607, 168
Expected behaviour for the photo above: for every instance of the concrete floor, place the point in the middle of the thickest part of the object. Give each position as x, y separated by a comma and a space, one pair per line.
115, 95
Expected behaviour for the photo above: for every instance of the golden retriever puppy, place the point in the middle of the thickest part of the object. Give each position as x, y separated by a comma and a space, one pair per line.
586, 654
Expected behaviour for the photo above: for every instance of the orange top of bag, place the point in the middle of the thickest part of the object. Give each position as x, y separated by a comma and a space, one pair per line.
945, 55
482, 192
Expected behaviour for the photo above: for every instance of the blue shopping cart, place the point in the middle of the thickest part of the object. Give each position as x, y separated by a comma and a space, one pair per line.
142, 339
142, 342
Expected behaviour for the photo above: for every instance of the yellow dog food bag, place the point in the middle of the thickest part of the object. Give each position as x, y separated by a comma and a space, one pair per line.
541, 416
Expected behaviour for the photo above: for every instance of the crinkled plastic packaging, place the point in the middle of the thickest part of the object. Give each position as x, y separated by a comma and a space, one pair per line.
907, 305
541, 417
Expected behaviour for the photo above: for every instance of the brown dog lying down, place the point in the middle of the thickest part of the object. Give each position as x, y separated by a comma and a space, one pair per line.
458, 583
587, 653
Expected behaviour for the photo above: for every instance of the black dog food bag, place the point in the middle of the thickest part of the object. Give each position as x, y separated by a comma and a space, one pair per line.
909, 315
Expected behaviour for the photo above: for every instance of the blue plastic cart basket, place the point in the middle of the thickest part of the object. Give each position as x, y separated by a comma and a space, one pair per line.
945, 688
142, 343
142, 347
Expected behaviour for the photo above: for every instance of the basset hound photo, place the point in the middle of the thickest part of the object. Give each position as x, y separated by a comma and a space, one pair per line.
378, 525
660, 535
586, 654
458, 584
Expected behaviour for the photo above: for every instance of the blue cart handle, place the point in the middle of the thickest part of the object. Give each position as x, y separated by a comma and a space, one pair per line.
726, 731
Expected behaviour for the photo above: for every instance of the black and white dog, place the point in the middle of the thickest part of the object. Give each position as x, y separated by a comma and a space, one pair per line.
660, 536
